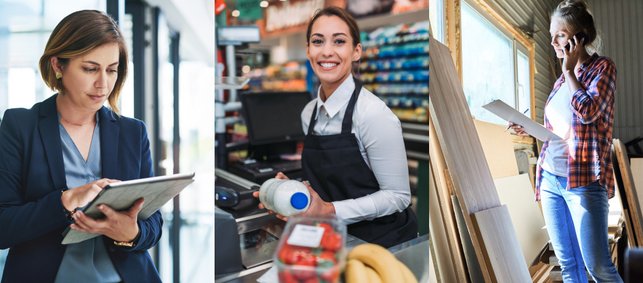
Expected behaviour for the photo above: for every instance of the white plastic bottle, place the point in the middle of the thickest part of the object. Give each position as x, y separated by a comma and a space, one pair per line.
285, 197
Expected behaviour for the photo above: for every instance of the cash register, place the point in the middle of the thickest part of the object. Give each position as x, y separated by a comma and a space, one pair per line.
273, 120
246, 237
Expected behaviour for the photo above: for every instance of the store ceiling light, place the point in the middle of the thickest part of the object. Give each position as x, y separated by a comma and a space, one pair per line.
235, 13
263, 4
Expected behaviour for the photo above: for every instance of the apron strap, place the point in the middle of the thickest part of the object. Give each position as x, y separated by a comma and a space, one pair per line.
347, 123
312, 122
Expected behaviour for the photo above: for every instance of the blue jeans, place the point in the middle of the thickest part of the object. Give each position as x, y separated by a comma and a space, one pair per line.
577, 225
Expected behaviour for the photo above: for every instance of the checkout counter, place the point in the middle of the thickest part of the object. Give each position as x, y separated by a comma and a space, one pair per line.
246, 238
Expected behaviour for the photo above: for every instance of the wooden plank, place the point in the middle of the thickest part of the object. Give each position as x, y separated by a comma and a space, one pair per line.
498, 149
445, 260
544, 277
636, 166
627, 185
540, 272
627, 218
443, 195
502, 253
433, 275
631, 241
456, 133
464, 157
473, 265
517, 193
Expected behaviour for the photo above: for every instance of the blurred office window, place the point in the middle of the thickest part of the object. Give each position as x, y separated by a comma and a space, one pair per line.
494, 66
196, 108
126, 100
165, 97
25, 26
166, 120
196, 144
22, 81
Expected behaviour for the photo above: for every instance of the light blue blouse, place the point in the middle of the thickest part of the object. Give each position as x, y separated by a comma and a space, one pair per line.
87, 261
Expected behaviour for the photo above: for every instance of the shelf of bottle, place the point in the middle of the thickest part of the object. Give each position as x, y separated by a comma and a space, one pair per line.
397, 40
400, 64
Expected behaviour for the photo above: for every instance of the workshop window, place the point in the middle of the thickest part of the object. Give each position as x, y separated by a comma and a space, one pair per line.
494, 66
436, 19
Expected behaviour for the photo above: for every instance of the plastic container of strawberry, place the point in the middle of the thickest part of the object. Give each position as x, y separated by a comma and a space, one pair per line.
311, 249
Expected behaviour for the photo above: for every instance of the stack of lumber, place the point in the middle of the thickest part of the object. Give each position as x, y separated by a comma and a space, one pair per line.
459, 167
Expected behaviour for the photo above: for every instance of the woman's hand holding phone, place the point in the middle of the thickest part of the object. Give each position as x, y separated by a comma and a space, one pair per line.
571, 52
579, 38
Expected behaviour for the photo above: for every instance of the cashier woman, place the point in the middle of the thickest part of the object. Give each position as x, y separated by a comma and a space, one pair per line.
354, 157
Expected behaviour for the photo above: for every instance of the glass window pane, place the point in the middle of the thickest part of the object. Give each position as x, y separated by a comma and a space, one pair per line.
56, 11
524, 91
21, 87
126, 100
166, 98
436, 18
487, 65
196, 108
166, 130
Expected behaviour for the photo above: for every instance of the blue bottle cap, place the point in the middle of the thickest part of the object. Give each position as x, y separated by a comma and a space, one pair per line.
299, 200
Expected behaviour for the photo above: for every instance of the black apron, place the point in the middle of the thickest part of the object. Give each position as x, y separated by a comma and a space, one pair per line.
336, 170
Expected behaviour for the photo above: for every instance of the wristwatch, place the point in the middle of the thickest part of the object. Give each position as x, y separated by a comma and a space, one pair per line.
124, 244
127, 244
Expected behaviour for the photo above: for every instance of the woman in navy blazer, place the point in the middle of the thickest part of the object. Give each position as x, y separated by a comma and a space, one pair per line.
85, 60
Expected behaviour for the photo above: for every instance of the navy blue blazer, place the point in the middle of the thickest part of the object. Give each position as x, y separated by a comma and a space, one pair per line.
32, 178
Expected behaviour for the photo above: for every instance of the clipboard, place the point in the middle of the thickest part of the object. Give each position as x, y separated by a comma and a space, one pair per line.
509, 114
156, 191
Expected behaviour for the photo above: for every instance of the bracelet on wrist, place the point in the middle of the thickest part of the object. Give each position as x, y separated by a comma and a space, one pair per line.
124, 244
128, 244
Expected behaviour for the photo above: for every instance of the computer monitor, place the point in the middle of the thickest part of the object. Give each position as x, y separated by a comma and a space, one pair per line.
274, 117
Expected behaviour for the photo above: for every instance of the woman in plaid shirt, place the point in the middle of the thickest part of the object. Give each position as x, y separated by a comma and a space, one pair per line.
574, 175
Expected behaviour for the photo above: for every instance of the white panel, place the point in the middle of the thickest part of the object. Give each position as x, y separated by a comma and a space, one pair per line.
518, 194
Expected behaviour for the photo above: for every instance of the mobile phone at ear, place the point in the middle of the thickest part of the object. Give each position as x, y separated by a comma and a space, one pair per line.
580, 36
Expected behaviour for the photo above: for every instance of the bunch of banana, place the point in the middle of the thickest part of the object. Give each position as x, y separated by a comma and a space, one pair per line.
374, 264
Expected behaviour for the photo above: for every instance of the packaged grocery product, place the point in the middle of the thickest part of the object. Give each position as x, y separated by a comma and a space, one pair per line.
311, 249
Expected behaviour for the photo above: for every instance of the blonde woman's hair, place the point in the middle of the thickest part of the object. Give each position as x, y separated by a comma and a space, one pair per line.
576, 15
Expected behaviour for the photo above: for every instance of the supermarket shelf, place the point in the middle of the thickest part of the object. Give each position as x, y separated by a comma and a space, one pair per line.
389, 20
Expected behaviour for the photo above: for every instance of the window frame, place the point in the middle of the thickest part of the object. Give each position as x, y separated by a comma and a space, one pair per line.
451, 25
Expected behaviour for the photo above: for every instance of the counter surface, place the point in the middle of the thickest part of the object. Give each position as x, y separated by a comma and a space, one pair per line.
414, 253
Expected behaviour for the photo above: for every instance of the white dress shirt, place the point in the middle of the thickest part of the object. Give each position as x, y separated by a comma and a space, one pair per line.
379, 135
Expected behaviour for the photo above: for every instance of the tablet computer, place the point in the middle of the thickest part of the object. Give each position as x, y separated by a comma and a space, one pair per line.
156, 191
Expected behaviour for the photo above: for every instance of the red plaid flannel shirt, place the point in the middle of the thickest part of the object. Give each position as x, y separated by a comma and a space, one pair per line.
592, 122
